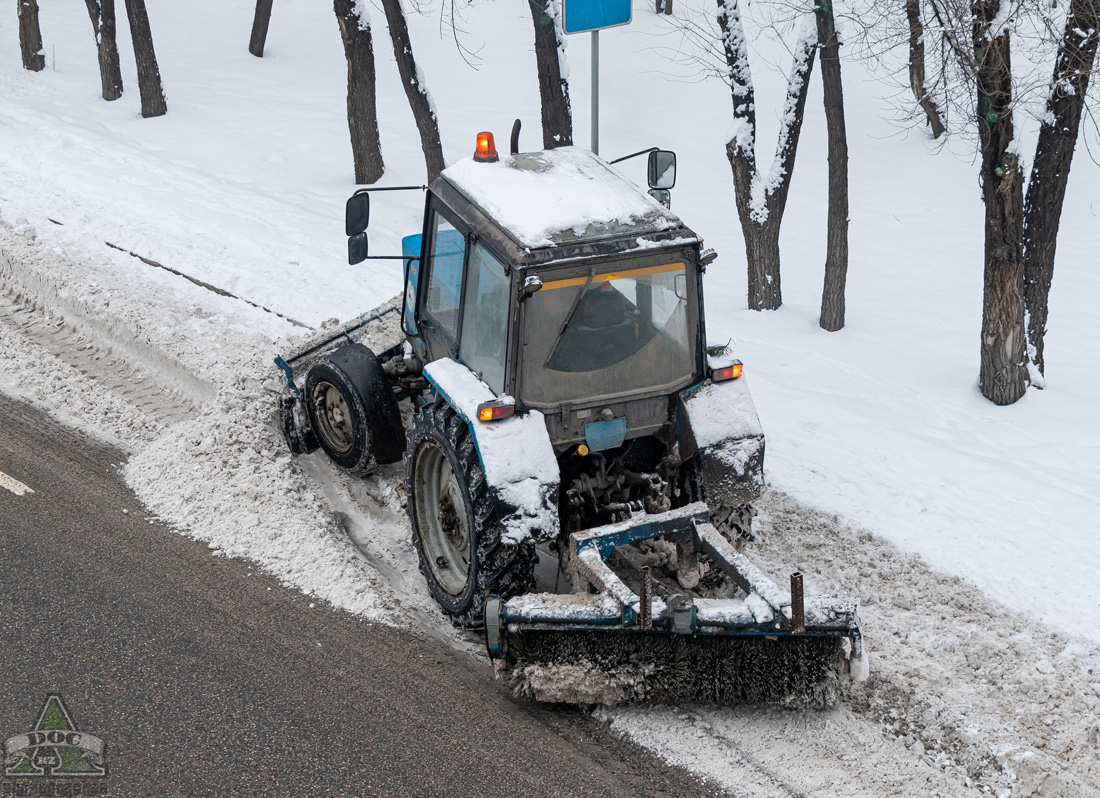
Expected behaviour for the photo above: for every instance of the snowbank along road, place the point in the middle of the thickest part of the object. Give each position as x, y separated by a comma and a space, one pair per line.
966, 697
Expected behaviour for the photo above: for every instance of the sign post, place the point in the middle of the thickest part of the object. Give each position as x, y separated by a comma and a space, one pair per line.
579, 16
596, 92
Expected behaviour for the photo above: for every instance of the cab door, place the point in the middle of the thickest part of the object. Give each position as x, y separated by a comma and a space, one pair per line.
440, 297
483, 332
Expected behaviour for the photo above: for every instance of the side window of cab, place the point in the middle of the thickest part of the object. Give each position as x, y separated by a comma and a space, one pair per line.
446, 257
465, 310
483, 346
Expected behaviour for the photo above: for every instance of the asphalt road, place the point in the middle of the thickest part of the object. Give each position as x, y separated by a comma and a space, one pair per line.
207, 678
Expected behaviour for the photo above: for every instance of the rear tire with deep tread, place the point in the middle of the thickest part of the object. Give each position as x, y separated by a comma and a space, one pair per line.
495, 568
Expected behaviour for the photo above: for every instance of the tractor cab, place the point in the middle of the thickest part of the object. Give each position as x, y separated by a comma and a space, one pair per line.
560, 284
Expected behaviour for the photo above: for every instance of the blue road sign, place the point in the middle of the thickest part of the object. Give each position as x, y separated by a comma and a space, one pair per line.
585, 15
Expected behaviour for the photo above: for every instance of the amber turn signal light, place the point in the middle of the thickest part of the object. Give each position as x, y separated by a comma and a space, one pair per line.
486, 149
727, 372
495, 411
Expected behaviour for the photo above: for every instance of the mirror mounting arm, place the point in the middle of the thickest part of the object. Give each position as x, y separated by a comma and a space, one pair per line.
635, 154
357, 209
391, 188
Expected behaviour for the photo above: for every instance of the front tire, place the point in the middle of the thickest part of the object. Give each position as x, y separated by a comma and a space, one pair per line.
456, 528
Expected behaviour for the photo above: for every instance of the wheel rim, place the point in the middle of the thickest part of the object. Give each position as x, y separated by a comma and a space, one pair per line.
333, 417
441, 519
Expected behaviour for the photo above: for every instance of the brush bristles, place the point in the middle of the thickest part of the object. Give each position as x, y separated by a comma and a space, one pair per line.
623, 667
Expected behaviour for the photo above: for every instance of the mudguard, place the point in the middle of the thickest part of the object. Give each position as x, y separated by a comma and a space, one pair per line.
719, 421
516, 454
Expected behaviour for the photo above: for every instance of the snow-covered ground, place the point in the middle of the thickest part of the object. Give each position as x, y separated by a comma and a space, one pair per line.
986, 662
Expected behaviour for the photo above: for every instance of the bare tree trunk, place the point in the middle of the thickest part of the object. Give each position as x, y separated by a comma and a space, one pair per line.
1046, 191
762, 254
411, 78
916, 68
109, 68
1003, 373
102, 14
152, 92
836, 252
557, 117
761, 199
259, 28
366, 147
30, 36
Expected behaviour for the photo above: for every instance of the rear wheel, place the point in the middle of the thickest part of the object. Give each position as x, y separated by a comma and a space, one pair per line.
456, 528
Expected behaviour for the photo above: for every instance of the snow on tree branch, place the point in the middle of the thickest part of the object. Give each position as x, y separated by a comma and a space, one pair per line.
362, 13
765, 186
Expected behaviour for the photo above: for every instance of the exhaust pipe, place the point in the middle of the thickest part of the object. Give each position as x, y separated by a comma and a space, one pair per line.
515, 137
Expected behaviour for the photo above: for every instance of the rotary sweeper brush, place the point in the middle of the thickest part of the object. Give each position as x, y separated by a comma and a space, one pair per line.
633, 636
567, 414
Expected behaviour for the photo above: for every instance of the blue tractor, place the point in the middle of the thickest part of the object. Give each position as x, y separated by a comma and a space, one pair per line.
566, 417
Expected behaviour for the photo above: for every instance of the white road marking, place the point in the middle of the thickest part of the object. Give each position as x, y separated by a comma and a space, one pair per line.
14, 485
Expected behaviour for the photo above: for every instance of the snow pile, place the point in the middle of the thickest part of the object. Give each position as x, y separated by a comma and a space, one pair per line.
88, 339
225, 478
539, 196
222, 476
581, 682
515, 452
72, 396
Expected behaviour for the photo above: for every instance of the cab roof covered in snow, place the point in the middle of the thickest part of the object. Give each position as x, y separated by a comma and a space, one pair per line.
556, 204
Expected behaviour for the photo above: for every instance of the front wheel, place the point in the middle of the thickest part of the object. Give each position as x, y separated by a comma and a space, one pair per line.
456, 529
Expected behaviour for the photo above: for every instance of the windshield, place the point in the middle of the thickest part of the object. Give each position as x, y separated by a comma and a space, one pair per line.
630, 325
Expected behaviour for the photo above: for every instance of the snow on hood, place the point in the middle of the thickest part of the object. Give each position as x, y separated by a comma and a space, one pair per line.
544, 198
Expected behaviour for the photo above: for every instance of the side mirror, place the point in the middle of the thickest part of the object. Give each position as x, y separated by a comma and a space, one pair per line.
662, 195
357, 248
662, 169
357, 213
